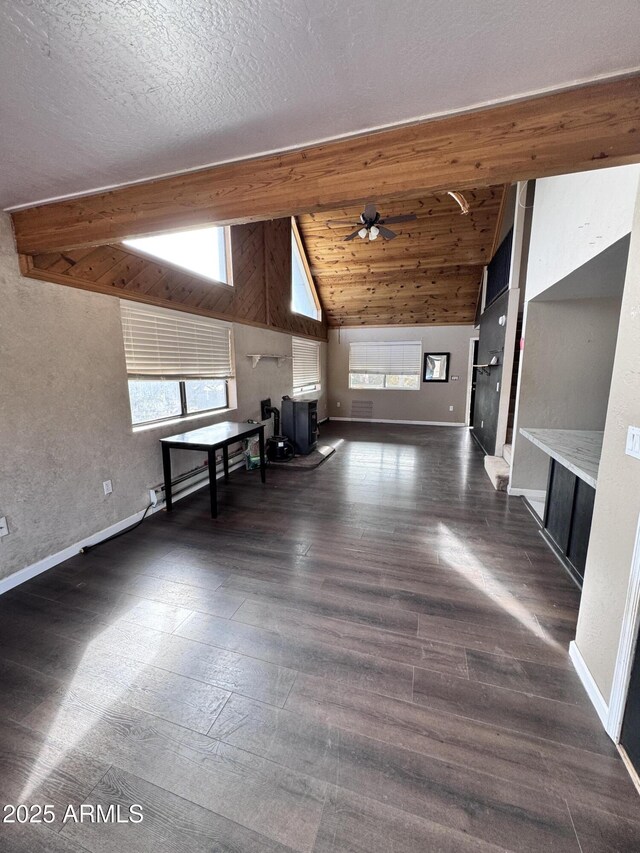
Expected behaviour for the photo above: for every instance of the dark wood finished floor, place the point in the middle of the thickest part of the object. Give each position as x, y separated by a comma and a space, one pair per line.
370, 657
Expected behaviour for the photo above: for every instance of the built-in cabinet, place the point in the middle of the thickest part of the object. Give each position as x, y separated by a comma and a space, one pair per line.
567, 517
571, 492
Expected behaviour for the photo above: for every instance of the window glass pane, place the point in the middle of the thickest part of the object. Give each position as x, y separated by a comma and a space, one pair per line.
366, 380
301, 296
154, 399
205, 394
393, 380
388, 381
201, 250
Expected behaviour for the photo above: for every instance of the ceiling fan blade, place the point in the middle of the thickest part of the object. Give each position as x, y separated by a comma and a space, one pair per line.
354, 235
403, 217
387, 233
370, 211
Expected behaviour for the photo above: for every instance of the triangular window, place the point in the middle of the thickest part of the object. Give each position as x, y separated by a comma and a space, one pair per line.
303, 293
203, 251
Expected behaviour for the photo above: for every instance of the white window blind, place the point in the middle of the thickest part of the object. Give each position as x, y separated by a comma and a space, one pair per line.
174, 345
306, 362
393, 357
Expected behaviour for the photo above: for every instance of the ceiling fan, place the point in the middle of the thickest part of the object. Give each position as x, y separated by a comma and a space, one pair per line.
372, 225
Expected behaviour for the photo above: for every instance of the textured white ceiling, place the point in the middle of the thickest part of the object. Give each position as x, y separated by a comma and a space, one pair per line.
96, 93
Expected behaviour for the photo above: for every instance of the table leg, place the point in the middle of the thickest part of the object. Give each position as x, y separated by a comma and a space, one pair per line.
225, 461
213, 483
166, 467
262, 459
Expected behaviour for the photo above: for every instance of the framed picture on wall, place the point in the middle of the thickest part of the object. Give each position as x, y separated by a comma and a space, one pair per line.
436, 367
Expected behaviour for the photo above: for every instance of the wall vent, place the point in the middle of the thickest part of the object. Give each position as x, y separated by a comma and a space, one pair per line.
362, 408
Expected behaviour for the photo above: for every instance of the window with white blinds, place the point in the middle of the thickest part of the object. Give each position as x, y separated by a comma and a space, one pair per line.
167, 344
392, 365
306, 364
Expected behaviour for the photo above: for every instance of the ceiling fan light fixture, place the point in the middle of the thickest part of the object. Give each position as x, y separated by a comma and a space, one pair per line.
373, 232
363, 233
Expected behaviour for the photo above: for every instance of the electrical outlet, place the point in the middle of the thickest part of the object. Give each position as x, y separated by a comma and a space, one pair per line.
4, 527
338, 404
633, 442
108, 487
497, 387
153, 497
450, 408
455, 378
481, 424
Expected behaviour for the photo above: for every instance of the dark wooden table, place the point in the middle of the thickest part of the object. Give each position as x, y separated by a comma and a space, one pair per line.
209, 439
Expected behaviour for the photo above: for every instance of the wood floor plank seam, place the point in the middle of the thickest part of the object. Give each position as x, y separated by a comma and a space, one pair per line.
184, 800
574, 826
516, 730
538, 743
482, 774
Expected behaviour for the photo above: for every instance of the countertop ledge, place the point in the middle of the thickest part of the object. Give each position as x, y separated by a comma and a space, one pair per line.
578, 450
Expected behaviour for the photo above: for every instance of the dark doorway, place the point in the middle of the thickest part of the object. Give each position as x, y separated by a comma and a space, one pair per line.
630, 734
474, 377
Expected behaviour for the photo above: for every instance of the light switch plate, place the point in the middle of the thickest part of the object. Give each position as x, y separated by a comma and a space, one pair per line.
633, 442
108, 487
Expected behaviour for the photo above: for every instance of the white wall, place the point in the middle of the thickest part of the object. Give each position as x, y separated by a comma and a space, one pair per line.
577, 249
617, 504
565, 377
575, 217
431, 403
65, 423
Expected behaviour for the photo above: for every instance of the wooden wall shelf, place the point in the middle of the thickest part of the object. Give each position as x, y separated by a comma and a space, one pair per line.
255, 358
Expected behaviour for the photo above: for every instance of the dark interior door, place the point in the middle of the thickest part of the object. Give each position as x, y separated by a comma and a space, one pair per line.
474, 372
630, 735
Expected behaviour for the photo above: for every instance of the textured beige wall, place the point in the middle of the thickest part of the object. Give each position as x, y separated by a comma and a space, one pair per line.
565, 376
618, 494
267, 379
64, 413
431, 402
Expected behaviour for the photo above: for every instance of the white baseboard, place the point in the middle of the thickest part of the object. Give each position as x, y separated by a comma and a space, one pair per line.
530, 494
23, 575
28, 572
592, 689
395, 421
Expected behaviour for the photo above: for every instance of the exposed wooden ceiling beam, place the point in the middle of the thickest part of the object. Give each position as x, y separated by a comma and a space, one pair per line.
570, 131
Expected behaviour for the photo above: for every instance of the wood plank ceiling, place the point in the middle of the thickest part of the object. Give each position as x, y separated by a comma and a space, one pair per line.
429, 275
